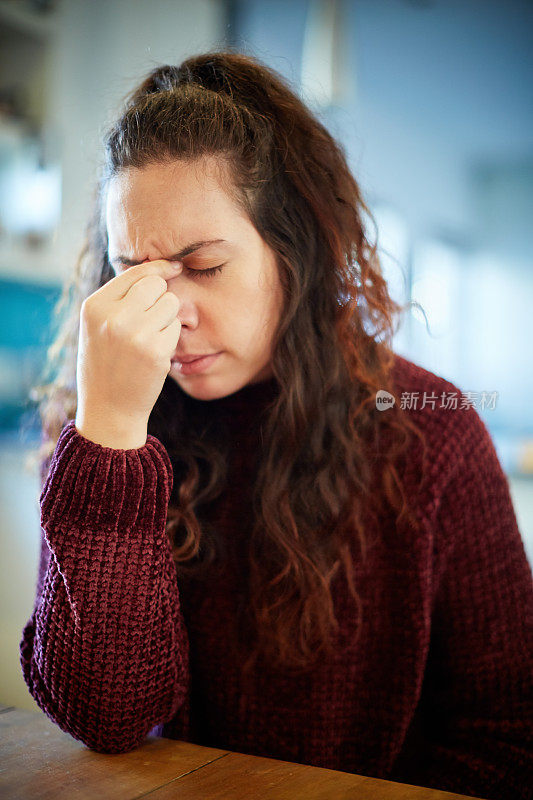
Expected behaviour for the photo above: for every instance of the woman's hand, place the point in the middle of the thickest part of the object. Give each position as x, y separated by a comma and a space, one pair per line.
128, 333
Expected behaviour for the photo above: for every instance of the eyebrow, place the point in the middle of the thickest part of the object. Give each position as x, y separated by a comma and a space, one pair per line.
191, 248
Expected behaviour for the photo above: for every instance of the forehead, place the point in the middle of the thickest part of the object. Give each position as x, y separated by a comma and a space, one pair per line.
178, 194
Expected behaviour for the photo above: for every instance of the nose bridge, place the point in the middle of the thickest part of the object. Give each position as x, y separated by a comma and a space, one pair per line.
185, 291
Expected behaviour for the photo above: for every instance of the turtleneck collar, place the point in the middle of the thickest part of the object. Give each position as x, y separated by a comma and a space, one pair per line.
249, 400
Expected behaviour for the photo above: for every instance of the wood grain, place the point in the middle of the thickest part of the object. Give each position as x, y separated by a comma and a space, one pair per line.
39, 761
241, 777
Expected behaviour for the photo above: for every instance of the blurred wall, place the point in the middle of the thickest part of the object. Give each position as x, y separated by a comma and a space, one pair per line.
103, 49
432, 101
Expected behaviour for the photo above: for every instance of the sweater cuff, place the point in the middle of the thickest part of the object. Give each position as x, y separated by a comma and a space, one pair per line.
91, 486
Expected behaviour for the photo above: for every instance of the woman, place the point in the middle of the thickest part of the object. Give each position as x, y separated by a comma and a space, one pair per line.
249, 552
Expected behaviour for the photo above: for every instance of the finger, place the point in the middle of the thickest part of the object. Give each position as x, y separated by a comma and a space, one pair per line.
169, 337
120, 285
162, 313
145, 294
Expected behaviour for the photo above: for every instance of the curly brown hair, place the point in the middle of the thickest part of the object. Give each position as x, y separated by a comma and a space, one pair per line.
325, 471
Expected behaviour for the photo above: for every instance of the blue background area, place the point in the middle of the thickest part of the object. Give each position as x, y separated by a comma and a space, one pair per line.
26, 313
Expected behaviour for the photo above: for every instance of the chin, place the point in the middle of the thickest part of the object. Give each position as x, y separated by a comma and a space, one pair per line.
207, 389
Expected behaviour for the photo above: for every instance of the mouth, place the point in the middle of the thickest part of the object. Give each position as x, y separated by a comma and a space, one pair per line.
190, 365
187, 359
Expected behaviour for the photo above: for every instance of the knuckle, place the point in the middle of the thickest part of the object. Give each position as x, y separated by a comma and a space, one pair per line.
144, 347
116, 327
138, 342
86, 308
162, 360
156, 356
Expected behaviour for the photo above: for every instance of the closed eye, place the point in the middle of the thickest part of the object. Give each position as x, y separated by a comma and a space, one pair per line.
207, 272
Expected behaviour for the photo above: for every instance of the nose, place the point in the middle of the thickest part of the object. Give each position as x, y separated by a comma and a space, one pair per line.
189, 313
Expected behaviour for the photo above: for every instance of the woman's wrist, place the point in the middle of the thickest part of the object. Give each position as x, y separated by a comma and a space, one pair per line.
107, 432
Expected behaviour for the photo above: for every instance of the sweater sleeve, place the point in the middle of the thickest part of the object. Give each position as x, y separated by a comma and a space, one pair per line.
476, 709
105, 652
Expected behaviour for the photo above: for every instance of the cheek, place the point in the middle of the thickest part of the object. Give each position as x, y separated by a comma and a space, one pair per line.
261, 311
239, 294
271, 296
246, 305
238, 313
257, 300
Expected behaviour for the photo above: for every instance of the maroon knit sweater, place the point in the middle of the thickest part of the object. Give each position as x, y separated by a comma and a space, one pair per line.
437, 691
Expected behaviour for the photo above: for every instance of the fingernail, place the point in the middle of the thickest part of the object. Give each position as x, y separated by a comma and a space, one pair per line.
177, 265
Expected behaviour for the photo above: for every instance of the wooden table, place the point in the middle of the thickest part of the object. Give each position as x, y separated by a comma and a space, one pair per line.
38, 760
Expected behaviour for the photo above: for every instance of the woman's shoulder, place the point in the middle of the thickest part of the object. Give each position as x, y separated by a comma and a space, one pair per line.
409, 378
447, 416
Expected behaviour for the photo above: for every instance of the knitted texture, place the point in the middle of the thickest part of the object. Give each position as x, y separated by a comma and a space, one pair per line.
437, 689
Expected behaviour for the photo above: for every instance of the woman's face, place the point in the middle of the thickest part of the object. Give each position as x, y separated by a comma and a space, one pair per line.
160, 210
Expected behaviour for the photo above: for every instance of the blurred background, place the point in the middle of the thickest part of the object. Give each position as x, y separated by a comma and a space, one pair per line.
433, 103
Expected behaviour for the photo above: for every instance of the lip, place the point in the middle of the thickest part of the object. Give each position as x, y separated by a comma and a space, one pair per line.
186, 357
194, 364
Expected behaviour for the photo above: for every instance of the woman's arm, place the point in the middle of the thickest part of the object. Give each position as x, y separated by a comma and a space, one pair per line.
475, 717
105, 652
